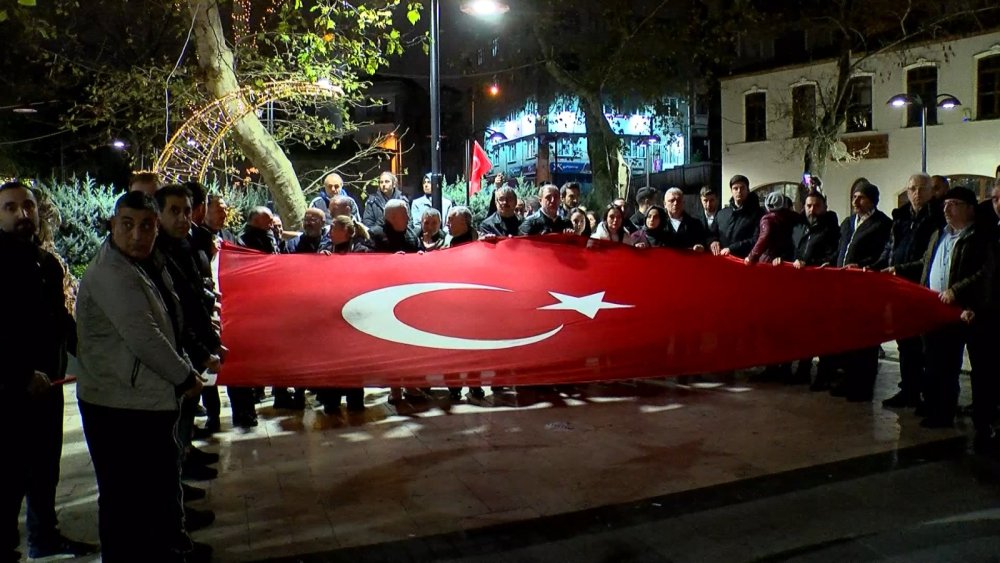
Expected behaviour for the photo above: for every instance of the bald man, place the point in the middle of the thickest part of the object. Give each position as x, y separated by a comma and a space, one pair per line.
333, 186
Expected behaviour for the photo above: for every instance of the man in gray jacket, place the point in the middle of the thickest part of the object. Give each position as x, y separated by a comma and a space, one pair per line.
132, 377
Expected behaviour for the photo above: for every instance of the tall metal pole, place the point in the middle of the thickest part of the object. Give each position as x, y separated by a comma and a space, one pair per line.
435, 88
649, 160
923, 138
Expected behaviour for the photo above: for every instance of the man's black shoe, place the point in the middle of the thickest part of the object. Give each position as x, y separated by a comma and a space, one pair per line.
195, 472
286, 402
477, 393
900, 400
923, 410
195, 519
60, 545
192, 493
245, 421
201, 457
200, 412
838, 391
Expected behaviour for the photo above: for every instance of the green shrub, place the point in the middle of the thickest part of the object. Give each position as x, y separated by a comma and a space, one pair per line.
480, 203
76, 215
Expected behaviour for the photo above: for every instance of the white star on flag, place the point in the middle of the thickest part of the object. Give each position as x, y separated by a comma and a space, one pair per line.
588, 305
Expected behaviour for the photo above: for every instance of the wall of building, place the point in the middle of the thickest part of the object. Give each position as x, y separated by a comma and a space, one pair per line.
958, 144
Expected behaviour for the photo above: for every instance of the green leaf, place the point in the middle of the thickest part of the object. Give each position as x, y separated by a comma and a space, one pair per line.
3, 15
413, 16
26, 2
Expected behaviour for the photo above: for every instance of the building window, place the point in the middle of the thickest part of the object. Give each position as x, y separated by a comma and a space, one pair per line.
495, 47
859, 104
922, 81
756, 116
988, 91
803, 109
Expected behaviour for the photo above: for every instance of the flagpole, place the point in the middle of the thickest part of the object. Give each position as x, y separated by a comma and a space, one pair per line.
468, 172
435, 92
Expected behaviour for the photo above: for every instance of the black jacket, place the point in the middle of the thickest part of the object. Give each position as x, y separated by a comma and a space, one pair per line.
303, 244
259, 240
986, 218
37, 329
972, 265
819, 243
866, 247
388, 240
689, 233
738, 228
198, 336
541, 224
911, 233
711, 230
497, 225
375, 207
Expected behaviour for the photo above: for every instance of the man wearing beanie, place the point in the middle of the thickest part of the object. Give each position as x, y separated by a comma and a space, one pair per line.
957, 265
739, 222
863, 238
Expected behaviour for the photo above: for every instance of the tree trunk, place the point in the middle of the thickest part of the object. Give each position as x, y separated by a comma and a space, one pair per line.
602, 148
216, 59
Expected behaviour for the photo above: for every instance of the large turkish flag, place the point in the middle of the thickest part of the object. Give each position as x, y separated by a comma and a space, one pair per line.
547, 309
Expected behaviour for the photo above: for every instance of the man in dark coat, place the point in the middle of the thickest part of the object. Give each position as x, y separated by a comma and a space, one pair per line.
313, 239
34, 338
395, 234
547, 219
740, 221
958, 264
816, 241
683, 230
913, 224
863, 238
199, 339
388, 190
504, 222
709, 212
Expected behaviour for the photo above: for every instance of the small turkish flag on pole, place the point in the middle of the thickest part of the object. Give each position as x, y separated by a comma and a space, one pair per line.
480, 166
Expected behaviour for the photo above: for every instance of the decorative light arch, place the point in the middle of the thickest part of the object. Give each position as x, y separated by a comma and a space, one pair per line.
193, 147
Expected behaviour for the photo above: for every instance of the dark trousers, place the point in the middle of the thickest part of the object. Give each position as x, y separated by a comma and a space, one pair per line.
911, 366
241, 401
985, 370
213, 404
139, 505
33, 450
185, 423
331, 396
860, 371
944, 350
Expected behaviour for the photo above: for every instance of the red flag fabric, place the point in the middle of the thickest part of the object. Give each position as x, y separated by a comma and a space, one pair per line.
543, 310
480, 166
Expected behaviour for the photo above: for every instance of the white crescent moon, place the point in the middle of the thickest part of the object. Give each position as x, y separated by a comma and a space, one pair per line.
374, 313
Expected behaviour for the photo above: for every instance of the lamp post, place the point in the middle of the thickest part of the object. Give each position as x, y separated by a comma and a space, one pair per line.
479, 8
943, 101
648, 142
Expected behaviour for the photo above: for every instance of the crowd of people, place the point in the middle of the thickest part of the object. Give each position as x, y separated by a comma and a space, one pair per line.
147, 324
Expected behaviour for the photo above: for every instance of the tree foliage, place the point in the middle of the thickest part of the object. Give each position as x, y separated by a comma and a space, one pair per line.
126, 69
861, 30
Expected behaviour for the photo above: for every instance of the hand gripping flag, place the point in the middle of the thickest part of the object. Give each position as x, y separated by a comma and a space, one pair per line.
536, 310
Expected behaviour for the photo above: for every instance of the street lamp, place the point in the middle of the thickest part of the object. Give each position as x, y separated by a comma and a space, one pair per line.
478, 8
943, 101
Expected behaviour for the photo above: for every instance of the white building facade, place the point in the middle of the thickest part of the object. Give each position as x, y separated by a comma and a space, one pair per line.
765, 117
